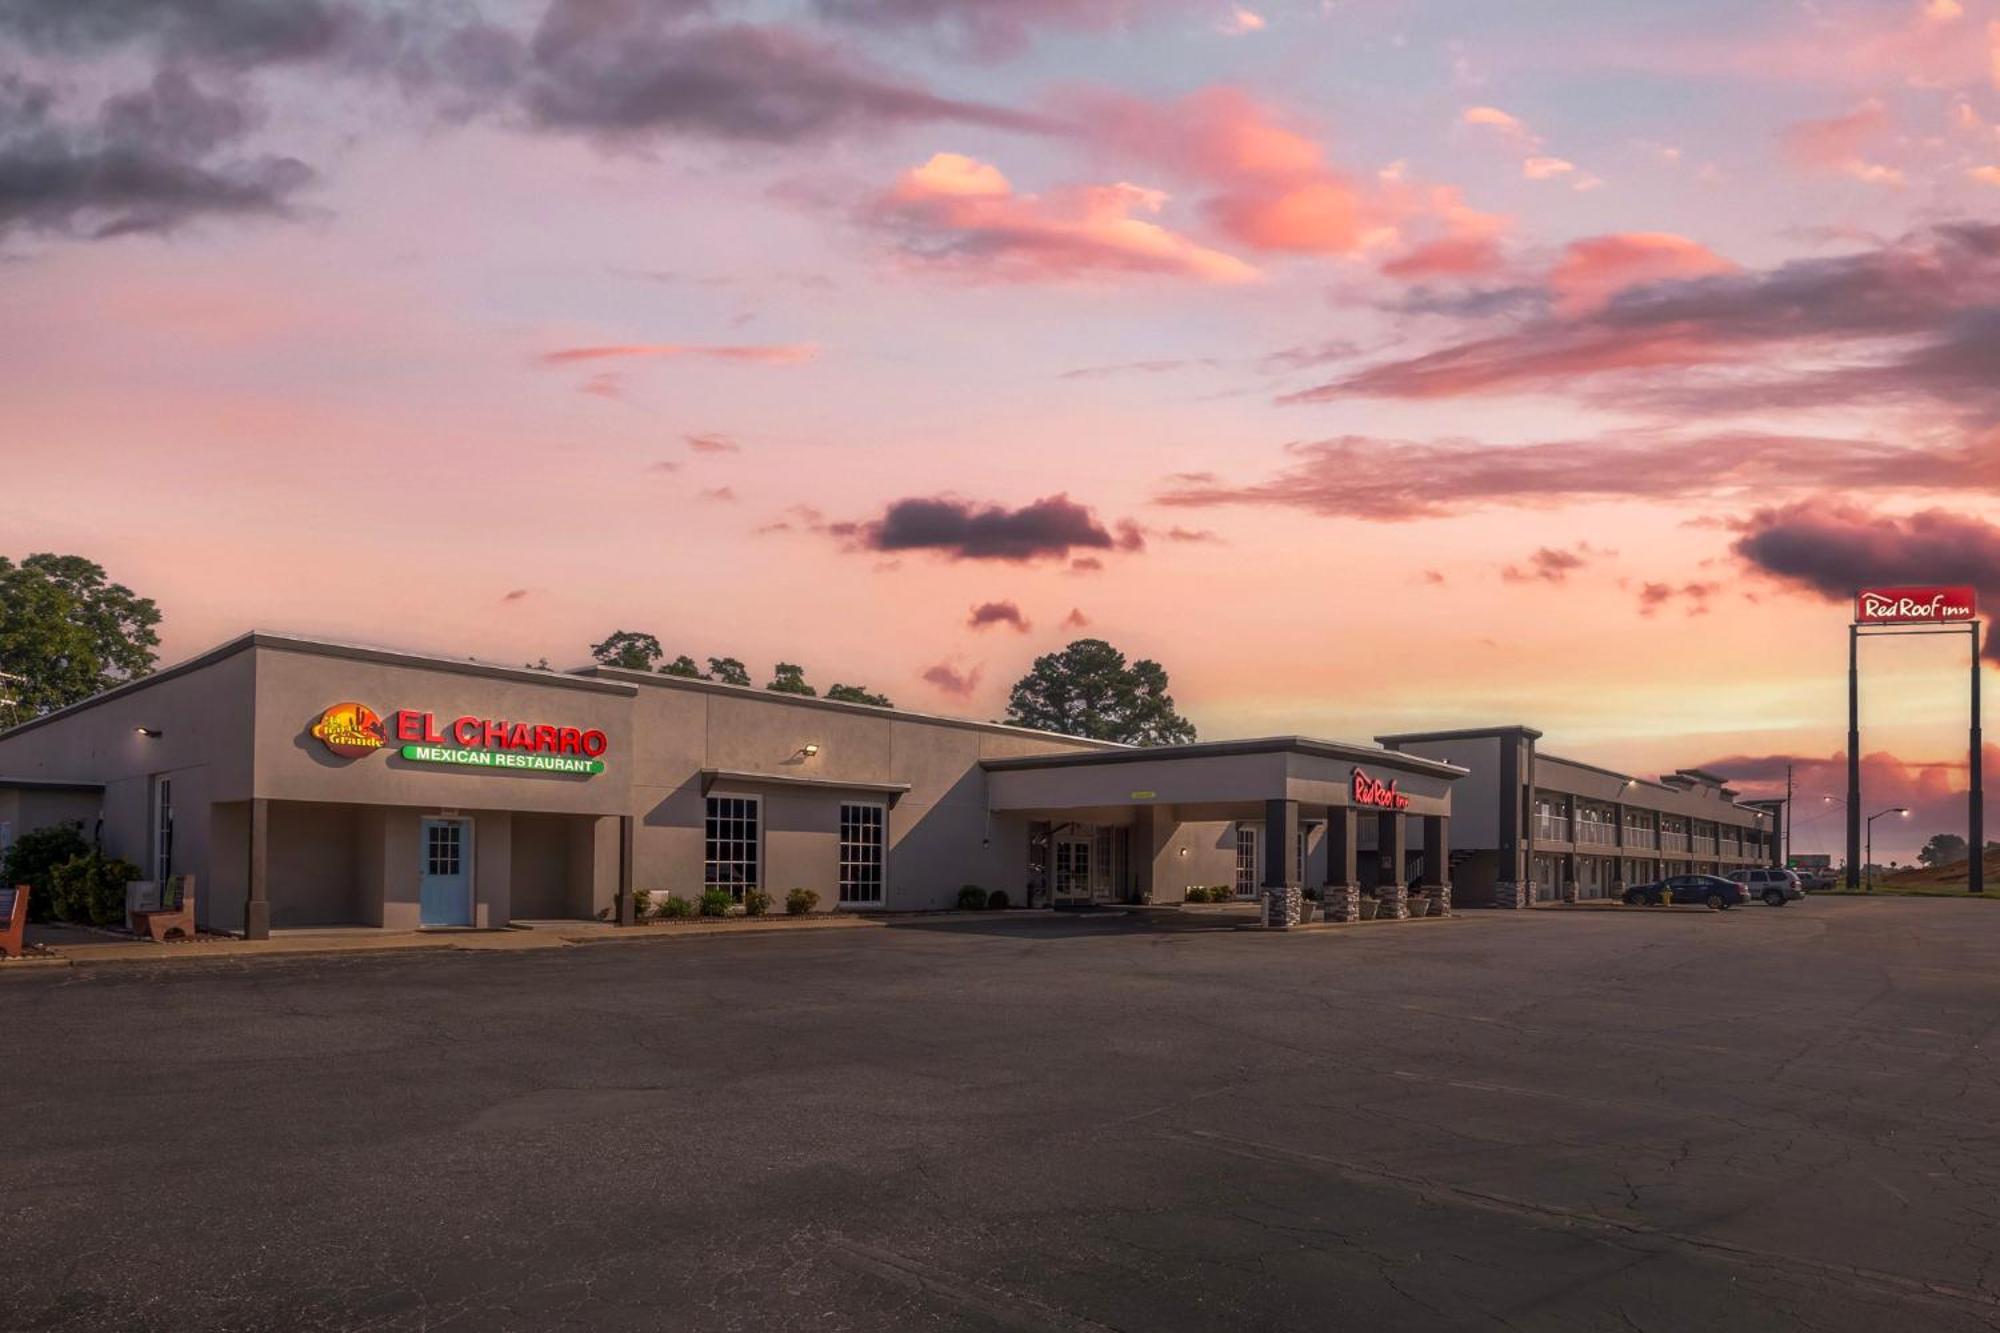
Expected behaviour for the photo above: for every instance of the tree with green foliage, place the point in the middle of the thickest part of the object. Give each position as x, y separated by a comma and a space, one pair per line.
1944, 849
728, 670
66, 633
628, 650
683, 666
857, 694
1088, 690
790, 678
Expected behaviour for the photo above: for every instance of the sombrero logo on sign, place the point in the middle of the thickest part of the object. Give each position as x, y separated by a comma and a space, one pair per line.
349, 730
353, 730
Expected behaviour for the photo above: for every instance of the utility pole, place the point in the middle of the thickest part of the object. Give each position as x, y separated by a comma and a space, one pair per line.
1976, 798
1788, 813
1854, 756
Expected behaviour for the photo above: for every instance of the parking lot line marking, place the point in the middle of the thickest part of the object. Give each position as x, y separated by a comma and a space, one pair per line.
1611, 1229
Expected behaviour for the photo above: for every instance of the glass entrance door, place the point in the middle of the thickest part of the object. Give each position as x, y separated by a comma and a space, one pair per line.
1071, 879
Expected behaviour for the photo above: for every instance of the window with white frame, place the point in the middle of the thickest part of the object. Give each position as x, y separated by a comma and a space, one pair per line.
163, 829
861, 854
1246, 859
733, 858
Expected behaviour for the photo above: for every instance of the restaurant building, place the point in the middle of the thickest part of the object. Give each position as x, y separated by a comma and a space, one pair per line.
310, 784
1535, 827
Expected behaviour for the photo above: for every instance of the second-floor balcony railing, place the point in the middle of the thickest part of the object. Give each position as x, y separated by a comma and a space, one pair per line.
1705, 845
1673, 842
1596, 835
1551, 828
1637, 835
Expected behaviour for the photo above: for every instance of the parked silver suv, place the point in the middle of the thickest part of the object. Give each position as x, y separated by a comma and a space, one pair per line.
1775, 887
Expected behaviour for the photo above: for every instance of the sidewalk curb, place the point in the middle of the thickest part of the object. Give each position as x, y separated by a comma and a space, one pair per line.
506, 939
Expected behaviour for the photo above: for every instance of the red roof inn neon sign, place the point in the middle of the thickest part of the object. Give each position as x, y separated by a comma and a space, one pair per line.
1369, 791
351, 730
1915, 606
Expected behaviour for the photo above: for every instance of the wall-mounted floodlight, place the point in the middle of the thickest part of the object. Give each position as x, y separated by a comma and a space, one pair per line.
150, 733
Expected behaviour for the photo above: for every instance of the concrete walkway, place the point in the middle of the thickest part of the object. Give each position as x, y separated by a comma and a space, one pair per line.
68, 946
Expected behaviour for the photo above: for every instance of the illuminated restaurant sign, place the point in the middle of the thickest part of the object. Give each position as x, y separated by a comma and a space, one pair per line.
1915, 606
353, 730
1385, 795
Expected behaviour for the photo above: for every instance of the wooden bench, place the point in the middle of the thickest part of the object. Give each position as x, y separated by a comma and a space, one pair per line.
175, 912
13, 920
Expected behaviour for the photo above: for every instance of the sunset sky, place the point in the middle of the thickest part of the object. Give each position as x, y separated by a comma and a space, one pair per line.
1371, 364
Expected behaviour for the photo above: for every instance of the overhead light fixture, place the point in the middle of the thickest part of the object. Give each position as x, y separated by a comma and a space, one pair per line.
809, 750
150, 733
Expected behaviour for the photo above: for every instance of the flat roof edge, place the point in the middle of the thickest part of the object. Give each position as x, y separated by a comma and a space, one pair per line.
1360, 753
317, 647
1461, 734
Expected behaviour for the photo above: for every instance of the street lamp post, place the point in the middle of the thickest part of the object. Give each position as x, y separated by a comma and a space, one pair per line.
1868, 864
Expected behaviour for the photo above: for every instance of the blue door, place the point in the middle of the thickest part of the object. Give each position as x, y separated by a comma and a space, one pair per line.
446, 890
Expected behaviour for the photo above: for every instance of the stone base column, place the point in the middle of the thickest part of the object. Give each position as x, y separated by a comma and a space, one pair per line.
1281, 907
1342, 902
1440, 896
1395, 903
1512, 895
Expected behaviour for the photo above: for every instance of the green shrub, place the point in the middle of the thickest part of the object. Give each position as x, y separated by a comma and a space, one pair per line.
676, 908
715, 902
1196, 893
756, 902
800, 901
642, 904
972, 898
33, 858
996, 901
91, 889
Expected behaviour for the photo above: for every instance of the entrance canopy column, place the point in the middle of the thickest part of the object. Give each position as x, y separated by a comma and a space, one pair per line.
1342, 894
1437, 863
1282, 894
1392, 838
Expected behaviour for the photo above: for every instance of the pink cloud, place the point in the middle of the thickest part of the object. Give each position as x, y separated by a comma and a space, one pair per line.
1270, 185
712, 443
948, 679
1507, 126
1076, 619
958, 212
1595, 268
998, 613
1840, 144
1452, 257
775, 354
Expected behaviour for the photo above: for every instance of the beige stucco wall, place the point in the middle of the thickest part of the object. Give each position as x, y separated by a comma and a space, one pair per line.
204, 747
293, 688
939, 835
26, 808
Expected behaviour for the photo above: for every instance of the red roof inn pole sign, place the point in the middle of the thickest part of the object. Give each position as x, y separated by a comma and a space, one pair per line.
1915, 606
1891, 612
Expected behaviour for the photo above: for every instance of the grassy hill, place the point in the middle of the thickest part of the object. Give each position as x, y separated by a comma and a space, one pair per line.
1941, 879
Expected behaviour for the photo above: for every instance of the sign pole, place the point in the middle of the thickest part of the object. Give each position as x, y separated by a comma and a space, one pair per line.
1854, 756
1975, 820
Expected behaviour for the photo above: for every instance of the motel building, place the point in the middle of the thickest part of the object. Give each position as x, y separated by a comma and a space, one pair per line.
1534, 827
312, 784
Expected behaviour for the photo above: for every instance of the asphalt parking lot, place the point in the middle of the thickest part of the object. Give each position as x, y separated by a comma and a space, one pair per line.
1760, 1119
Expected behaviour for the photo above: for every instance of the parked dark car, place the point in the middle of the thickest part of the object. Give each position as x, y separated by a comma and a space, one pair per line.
1775, 886
1713, 890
